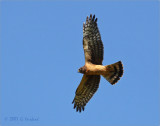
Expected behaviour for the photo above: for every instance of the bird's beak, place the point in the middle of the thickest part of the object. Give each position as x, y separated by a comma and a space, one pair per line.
78, 71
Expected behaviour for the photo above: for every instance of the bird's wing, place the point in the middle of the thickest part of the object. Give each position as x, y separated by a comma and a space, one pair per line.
92, 43
86, 89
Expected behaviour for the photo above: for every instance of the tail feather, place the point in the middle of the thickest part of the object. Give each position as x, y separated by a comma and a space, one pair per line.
114, 72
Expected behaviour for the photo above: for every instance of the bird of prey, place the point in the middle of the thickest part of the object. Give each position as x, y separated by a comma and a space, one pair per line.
93, 68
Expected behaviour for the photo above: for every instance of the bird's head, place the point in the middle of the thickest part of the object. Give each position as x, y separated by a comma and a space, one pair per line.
82, 70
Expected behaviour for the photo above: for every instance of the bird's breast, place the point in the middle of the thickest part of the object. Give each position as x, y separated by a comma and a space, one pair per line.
92, 69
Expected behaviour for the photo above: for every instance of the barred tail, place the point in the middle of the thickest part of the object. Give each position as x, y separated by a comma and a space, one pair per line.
113, 72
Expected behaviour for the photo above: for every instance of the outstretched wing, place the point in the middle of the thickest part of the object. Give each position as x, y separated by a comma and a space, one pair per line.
92, 43
86, 89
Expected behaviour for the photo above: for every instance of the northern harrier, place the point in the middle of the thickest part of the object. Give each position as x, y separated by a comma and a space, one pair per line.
93, 68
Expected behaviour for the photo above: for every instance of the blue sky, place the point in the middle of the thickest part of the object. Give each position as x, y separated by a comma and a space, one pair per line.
41, 51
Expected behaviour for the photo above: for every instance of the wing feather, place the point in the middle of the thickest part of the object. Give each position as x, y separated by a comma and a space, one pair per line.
86, 89
92, 43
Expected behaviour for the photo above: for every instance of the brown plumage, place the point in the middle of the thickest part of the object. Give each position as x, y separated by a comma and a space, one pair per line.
93, 68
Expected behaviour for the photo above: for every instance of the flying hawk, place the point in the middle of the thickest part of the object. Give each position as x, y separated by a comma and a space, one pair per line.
93, 68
